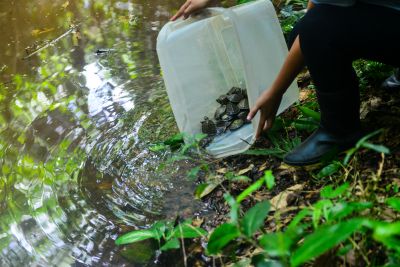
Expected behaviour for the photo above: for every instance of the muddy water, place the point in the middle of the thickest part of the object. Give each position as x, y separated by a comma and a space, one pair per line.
81, 99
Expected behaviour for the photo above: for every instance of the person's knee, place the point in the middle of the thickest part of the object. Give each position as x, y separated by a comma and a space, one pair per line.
317, 29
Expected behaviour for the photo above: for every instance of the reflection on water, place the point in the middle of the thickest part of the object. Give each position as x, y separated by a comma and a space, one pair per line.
75, 124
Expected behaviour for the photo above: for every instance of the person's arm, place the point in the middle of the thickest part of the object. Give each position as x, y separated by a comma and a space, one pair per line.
193, 6
268, 102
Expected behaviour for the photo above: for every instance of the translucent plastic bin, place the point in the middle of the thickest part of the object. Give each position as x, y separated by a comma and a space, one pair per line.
204, 56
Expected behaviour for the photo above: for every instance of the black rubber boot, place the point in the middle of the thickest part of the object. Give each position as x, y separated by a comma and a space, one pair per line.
393, 82
340, 129
320, 144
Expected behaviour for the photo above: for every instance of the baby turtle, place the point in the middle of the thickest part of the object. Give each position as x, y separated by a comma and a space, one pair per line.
223, 99
235, 98
234, 90
222, 126
236, 124
232, 109
220, 112
244, 104
226, 117
208, 126
243, 115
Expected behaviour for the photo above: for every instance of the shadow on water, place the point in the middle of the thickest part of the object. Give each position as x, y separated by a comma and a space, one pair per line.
76, 121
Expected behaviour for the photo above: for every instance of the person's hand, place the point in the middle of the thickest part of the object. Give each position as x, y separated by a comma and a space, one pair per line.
267, 103
190, 7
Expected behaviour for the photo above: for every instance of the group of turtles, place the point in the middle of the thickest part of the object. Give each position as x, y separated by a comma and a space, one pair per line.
231, 114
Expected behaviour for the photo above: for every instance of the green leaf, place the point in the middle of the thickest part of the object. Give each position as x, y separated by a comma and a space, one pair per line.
203, 190
192, 174
300, 216
276, 244
234, 212
329, 170
221, 236
186, 230
349, 153
254, 218
249, 190
269, 179
394, 203
366, 137
136, 236
328, 192
324, 239
171, 244
310, 113
377, 148
157, 147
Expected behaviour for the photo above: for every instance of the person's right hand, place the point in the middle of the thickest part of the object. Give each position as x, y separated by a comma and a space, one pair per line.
190, 7
267, 103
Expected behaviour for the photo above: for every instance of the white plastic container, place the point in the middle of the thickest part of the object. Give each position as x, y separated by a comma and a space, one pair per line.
204, 56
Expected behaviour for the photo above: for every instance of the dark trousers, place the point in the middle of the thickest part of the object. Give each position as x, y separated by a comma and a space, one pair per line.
331, 38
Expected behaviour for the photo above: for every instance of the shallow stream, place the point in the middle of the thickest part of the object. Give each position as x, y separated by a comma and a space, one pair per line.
81, 100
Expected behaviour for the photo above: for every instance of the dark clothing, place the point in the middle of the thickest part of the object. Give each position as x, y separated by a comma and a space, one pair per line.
331, 38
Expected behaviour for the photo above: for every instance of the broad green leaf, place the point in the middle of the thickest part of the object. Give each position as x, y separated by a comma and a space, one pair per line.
249, 190
175, 140
323, 239
310, 113
276, 244
234, 212
377, 148
136, 236
254, 218
300, 216
329, 170
221, 236
171, 244
192, 174
328, 192
186, 230
321, 208
269, 179
203, 190
387, 233
394, 203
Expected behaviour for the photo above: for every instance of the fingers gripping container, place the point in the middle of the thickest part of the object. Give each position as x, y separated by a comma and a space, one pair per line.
206, 55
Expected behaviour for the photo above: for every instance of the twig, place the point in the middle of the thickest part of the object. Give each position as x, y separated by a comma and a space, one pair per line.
52, 42
183, 247
379, 173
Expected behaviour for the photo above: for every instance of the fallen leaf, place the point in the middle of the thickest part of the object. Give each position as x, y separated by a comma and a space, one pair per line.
279, 201
262, 167
37, 32
65, 5
222, 170
243, 171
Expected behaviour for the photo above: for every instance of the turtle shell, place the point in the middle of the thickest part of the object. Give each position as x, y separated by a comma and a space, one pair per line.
222, 126
220, 112
243, 115
226, 118
234, 90
235, 98
232, 109
208, 126
223, 99
236, 124
244, 104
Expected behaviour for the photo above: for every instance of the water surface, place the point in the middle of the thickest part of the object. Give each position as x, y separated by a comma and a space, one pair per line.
77, 118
